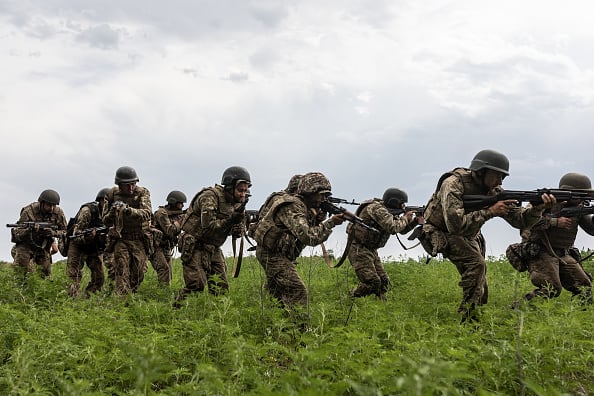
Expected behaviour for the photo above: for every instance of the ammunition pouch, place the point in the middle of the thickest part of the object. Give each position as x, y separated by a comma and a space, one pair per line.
519, 254
432, 239
187, 244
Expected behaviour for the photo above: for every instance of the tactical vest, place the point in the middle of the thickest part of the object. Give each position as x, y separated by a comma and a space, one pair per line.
434, 212
274, 236
363, 236
134, 201
559, 238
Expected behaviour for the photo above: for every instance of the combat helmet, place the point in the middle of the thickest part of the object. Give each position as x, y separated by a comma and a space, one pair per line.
490, 159
394, 197
314, 182
102, 193
49, 196
293, 184
125, 174
175, 197
575, 181
234, 175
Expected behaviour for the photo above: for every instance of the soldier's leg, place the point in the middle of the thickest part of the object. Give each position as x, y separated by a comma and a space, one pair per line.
43, 259
469, 261
217, 280
383, 275
138, 264
574, 278
161, 267
122, 256
22, 262
544, 274
97, 274
194, 275
74, 267
362, 260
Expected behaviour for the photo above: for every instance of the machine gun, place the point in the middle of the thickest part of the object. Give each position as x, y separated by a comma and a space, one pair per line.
418, 210
34, 225
477, 202
330, 208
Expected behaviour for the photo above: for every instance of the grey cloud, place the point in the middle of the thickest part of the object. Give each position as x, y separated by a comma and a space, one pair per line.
237, 77
101, 36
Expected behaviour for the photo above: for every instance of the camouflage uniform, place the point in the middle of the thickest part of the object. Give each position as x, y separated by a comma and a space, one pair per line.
282, 234
168, 222
86, 248
129, 237
206, 225
363, 255
557, 263
457, 234
32, 246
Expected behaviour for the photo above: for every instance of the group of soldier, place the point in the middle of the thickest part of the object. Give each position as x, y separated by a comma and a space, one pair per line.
120, 230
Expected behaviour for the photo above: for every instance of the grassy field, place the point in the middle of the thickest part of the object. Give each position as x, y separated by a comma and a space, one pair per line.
242, 343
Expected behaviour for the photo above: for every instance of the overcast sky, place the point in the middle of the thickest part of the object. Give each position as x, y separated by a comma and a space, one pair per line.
374, 94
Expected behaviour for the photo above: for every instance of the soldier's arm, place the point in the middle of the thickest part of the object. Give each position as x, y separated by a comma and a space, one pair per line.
295, 218
457, 221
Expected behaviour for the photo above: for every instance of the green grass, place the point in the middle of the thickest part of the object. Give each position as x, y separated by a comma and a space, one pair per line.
242, 343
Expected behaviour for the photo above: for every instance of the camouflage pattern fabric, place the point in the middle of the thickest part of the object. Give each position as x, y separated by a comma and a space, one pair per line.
32, 247
464, 244
363, 254
85, 250
168, 222
291, 231
554, 268
130, 251
208, 221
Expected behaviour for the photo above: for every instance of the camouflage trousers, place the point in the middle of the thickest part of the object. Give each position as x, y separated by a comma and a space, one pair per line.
283, 281
206, 267
468, 255
109, 266
130, 265
26, 257
161, 263
77, 257
552, 274
370, 271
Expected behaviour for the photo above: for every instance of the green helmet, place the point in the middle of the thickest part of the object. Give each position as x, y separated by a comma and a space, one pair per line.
234, 175
293, 184
575, 181
125, 174
314, 182
102, 193
175, 197
490, 159
394, 197
49, 196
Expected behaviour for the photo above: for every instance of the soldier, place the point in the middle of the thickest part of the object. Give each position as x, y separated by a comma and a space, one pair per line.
34, 242
285, 230
210, 217
385, 216
86, 244
128, 213
168, 220
555, 262
455, 233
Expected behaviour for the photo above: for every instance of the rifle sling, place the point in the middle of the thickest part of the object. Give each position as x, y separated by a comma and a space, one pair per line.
325, 254
407, 248
237, 267
346, 251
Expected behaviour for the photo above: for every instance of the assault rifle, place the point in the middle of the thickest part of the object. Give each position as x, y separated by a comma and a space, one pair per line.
99, 230
419, 210
34, 224
335, 200
477, 202
575, 211
329, 207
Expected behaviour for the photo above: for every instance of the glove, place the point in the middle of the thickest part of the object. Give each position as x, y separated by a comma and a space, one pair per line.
236, 217
236, 230
47, 232
127, 211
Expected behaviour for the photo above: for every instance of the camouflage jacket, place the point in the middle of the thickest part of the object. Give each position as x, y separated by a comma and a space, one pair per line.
375, 214
165, 220
138, 220
34, 238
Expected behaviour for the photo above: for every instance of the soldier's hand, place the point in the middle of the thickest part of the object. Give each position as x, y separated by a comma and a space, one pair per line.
337, 219
501, 208
409, 215
420, 219
566, 222
236, 217
47, 232
236, 230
